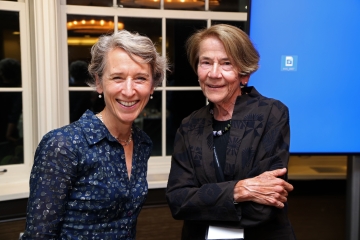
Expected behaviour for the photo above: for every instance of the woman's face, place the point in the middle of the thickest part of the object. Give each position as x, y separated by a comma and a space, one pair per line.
219, 79
126, 85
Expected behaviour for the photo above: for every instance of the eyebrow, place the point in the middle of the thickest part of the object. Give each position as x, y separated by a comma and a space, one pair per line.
208, 58
137, 74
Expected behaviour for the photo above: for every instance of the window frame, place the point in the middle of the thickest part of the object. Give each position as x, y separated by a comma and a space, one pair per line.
45, 87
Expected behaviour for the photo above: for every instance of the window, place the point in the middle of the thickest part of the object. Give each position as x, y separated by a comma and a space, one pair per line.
51, 93
15, 93
169, 28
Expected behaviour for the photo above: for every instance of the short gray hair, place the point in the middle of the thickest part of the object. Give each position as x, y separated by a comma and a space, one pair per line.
133, 44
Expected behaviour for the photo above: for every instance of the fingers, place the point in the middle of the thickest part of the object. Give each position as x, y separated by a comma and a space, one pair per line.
288, 187
278, 172
274, 199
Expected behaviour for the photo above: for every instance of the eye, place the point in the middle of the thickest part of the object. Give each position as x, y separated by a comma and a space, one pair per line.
205, 64
227, 65
116, 78
141, 78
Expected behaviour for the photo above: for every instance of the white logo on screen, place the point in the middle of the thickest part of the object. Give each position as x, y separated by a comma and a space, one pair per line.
289, 61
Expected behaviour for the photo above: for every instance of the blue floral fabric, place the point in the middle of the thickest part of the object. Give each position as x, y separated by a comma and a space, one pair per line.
79, 185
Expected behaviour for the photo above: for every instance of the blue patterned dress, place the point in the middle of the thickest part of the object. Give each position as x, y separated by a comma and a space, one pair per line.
79, 185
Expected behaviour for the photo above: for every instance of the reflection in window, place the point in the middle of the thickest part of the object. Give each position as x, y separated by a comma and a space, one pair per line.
177, 32
103, 3
83, 32
193, 5
228, 5
11, 128
139, 4
180, 104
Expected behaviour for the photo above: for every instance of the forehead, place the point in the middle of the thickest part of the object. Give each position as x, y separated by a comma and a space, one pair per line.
119, 58
211, 46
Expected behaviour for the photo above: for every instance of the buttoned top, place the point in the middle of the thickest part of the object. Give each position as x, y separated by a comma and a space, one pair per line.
79, 185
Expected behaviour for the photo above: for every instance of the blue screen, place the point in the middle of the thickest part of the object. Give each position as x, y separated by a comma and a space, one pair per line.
310, 60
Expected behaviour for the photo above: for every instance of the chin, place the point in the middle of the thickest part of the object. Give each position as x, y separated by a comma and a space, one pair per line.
215, 99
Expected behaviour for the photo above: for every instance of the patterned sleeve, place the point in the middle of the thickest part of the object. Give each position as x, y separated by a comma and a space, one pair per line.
272, 153
51, 179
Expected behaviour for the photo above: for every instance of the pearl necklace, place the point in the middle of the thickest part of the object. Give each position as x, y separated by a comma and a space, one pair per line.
220, 132
122, 142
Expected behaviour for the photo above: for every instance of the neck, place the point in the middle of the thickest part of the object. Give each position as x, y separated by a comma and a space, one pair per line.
119, 131
223, 112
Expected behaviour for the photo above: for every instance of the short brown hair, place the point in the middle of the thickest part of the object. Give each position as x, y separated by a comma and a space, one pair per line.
237, 44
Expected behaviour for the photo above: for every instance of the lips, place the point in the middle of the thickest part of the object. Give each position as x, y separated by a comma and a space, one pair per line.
127, 104
215, 86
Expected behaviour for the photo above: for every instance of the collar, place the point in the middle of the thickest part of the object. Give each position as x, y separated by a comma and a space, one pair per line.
94, 130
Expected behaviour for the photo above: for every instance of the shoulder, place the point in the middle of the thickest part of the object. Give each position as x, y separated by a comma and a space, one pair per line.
69, 135
200, 113
196, 119
265, 103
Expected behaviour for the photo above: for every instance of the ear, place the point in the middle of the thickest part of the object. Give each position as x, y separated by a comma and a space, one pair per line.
98, 83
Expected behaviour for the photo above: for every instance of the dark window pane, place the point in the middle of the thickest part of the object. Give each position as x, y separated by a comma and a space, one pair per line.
80, 101
139, 4
150, 121
177, 32
10, 54
179, 104
103, 3
11, 128
150, 27
194, 5
228, 5
239, 24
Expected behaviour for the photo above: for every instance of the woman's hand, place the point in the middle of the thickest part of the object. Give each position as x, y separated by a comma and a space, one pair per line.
265, 189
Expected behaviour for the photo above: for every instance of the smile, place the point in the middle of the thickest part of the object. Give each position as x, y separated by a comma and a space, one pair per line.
127, 104
214, 86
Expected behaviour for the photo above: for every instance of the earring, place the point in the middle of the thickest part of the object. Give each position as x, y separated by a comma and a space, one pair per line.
151, 96
242, 85
100, 95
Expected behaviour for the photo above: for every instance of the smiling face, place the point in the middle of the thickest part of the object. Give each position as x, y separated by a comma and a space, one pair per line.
126, 85
219, 79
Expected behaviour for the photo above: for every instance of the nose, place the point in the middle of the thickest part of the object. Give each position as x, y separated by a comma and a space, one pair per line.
215, 71
128, 87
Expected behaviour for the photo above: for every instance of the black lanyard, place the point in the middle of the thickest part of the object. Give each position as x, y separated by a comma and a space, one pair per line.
219, 172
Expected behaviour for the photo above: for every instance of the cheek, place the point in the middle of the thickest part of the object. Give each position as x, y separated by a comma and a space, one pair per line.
202, 75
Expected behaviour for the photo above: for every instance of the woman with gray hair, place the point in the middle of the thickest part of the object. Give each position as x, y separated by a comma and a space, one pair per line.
88, 180
229, 165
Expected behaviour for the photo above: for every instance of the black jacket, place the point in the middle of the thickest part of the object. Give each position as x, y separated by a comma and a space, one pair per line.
259, 142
